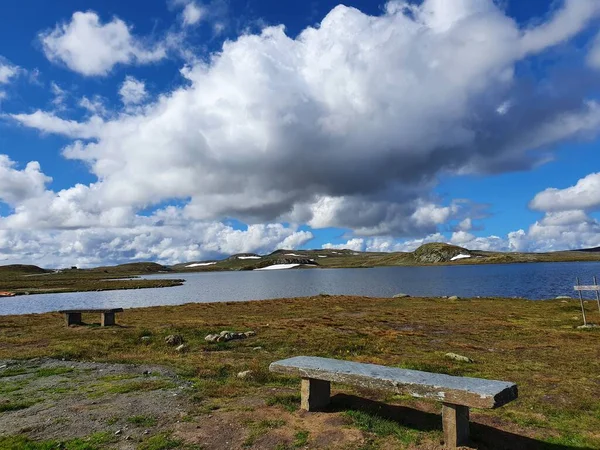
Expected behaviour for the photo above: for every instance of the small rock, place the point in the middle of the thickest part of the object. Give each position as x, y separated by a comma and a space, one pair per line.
145, 338
146, 372
454, 297
174, 339
256, 348
561, 297
460, 358
3, 366
245, 374
128, 438
118, 432
181, 348
224, 337
401, 296
146, 432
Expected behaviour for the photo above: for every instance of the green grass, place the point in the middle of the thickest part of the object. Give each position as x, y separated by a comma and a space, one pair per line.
8, 387
119, 377
142, 421
557, 378
12, 372
291, 402
52, 371
162, 441
99, 390
301, 438
39, 281
382, 427
15, 405
95, 441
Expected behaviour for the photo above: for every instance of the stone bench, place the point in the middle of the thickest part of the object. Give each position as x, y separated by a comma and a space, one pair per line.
457, 394
73, 316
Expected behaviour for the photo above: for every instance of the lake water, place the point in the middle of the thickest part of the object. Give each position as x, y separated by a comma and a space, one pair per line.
532, 281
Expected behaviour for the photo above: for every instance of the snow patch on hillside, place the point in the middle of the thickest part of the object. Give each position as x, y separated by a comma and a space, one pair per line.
200, 264
279, 267
461, 256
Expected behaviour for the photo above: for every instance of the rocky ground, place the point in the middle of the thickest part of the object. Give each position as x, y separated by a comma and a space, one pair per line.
48, 399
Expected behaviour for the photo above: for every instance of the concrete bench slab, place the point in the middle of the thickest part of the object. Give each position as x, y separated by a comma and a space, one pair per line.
73, 316
457, 394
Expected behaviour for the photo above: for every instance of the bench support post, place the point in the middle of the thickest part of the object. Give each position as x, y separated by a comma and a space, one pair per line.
455, 419
315, 394
73, 319
108, 319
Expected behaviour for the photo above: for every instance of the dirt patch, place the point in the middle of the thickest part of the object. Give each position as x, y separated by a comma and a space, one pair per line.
50, 399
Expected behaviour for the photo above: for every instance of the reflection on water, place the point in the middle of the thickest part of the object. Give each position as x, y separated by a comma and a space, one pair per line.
533, 281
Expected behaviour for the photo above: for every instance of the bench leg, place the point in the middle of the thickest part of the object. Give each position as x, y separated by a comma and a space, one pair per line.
455, 419
73, 319
315, 394
108, 319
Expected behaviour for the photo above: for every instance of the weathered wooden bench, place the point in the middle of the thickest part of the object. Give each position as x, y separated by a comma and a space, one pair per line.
73, 316
457, 394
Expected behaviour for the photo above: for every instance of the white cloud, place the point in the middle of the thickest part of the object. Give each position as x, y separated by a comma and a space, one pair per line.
308, 130
585, 195
60, 96
465, 225
160, 238
8, 71
567, 22
49, 123
132, 91
192, 14
594, 53
355, 244
260, 131
16, 185
89, 47
94, 106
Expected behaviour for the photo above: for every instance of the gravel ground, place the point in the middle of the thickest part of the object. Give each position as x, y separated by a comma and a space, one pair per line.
52, 399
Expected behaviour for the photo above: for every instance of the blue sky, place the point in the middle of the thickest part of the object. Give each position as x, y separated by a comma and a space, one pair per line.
180, 130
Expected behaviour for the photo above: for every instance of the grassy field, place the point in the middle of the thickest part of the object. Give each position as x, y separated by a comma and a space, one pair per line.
34, 280
534, 344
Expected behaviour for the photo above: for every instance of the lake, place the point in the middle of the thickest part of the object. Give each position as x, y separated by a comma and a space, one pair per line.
533, 281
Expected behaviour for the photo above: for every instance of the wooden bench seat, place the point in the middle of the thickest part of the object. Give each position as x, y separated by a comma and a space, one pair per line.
73, 316
457, 394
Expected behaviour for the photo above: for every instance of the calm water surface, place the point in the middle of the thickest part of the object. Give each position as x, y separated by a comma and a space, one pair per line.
532, 281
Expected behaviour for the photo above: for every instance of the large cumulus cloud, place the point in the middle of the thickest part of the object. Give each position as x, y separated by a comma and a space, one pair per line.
348, 124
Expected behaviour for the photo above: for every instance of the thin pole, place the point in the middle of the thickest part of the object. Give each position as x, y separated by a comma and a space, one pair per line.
581, 302
597, 295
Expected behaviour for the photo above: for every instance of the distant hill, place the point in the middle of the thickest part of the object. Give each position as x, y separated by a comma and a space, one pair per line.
137, 268
437, 252
23, 269
595, 249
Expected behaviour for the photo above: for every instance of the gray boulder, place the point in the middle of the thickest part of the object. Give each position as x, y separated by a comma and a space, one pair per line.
174, 340
457, 357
